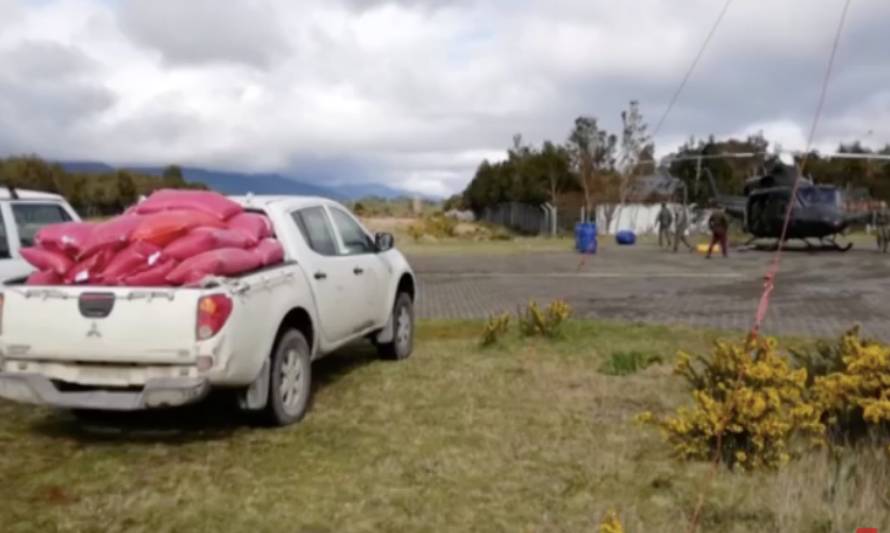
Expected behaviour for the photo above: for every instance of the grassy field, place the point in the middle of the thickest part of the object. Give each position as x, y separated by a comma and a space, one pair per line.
527, 436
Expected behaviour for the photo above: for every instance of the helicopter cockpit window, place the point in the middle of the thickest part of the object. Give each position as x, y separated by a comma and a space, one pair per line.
817, 196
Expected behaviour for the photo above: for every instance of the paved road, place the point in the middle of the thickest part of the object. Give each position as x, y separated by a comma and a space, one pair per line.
817, 294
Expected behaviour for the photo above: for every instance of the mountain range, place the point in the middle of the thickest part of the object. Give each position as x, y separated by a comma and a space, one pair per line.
235, 183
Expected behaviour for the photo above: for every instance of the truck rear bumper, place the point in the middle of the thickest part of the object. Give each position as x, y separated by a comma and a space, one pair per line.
159, 392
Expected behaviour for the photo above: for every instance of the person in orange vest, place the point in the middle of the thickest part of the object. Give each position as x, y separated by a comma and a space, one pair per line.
719, 227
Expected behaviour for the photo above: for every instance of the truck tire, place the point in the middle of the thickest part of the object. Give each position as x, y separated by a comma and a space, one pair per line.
290, 379
403, 335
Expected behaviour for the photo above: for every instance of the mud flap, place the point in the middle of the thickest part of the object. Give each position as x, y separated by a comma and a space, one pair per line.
256, 396
387, 334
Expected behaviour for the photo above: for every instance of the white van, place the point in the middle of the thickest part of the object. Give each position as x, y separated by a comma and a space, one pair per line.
22, 214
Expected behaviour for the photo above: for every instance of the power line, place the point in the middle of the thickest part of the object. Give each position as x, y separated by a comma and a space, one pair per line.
774, 268
695, 61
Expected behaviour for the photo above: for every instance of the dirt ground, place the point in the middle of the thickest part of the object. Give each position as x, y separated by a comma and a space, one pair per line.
817, 294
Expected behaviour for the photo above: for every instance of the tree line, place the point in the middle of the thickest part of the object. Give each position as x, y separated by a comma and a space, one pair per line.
591, 161
603, 167
91, 194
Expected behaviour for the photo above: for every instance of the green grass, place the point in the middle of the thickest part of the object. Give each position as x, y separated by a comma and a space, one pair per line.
627, 363
525, 436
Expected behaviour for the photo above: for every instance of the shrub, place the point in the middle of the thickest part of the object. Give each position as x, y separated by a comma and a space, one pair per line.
611, 523
416, 231
500, 234
856, 397
496, 327
440, 226
748, 406
535, 322
436, 226
626, 363
823, 359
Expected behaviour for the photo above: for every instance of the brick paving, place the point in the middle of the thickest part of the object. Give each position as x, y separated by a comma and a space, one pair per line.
817, 294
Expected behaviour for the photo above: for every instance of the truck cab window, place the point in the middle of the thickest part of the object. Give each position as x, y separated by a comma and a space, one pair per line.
30, 218
354, 237
316, 230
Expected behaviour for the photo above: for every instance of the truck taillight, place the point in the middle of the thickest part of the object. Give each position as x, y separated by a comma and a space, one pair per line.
213, 311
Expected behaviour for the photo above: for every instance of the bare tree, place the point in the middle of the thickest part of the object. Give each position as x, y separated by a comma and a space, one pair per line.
636, 148
555, 160
593, 156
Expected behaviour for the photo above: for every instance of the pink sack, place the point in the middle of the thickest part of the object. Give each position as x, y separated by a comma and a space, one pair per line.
208, 202
167, 226
257, 226
44, 278
270, 252
47, 260
114, 233
137, 257
195, 243
226, 238
222, 262
88, 271
155, 276
67, 237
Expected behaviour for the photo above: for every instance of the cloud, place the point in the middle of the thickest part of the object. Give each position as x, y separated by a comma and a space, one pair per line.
47, 91
202, 31
414, 94
363, 5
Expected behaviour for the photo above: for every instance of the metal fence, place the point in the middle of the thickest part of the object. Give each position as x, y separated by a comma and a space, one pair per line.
523, 218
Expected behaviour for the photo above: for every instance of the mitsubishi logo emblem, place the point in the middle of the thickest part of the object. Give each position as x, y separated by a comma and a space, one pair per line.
94, 331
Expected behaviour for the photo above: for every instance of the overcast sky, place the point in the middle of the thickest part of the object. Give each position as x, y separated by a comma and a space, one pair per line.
415, 93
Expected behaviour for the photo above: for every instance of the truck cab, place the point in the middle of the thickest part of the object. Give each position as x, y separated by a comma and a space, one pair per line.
22, 215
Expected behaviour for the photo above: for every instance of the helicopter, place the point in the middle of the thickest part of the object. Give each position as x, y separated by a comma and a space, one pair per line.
819, 211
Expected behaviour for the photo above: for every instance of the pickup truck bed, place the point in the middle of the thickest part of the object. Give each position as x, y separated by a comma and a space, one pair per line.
134, 348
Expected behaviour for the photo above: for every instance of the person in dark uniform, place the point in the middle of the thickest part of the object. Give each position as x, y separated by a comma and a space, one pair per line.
881, 221
665, 220
719, 226
681, 224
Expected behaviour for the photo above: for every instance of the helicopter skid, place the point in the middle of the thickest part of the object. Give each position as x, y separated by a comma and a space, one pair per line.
828, 244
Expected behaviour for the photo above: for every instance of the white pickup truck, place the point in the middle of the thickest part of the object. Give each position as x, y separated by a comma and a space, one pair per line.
22, 214
124, 348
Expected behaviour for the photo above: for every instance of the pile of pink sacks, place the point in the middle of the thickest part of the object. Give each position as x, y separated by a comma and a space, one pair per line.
172, 238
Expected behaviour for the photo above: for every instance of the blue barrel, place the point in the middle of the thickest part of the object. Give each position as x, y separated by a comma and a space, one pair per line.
626, 237
585, 238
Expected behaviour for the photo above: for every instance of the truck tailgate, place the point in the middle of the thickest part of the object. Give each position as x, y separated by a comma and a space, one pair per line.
94, 324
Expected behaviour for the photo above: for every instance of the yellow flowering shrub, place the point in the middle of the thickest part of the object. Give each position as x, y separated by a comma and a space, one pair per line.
856, 398
496, 327
748, 404
547, 322
611, 523
437, 226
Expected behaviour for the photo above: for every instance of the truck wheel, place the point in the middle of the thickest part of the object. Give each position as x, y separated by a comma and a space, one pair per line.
290, 379
403, 335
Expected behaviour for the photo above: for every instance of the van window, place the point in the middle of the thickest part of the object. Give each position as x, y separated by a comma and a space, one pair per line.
4, 239
31, 217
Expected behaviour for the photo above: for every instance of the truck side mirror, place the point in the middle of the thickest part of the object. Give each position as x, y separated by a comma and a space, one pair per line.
384, 241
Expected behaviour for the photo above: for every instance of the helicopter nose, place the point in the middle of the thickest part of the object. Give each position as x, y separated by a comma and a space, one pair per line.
833, 221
